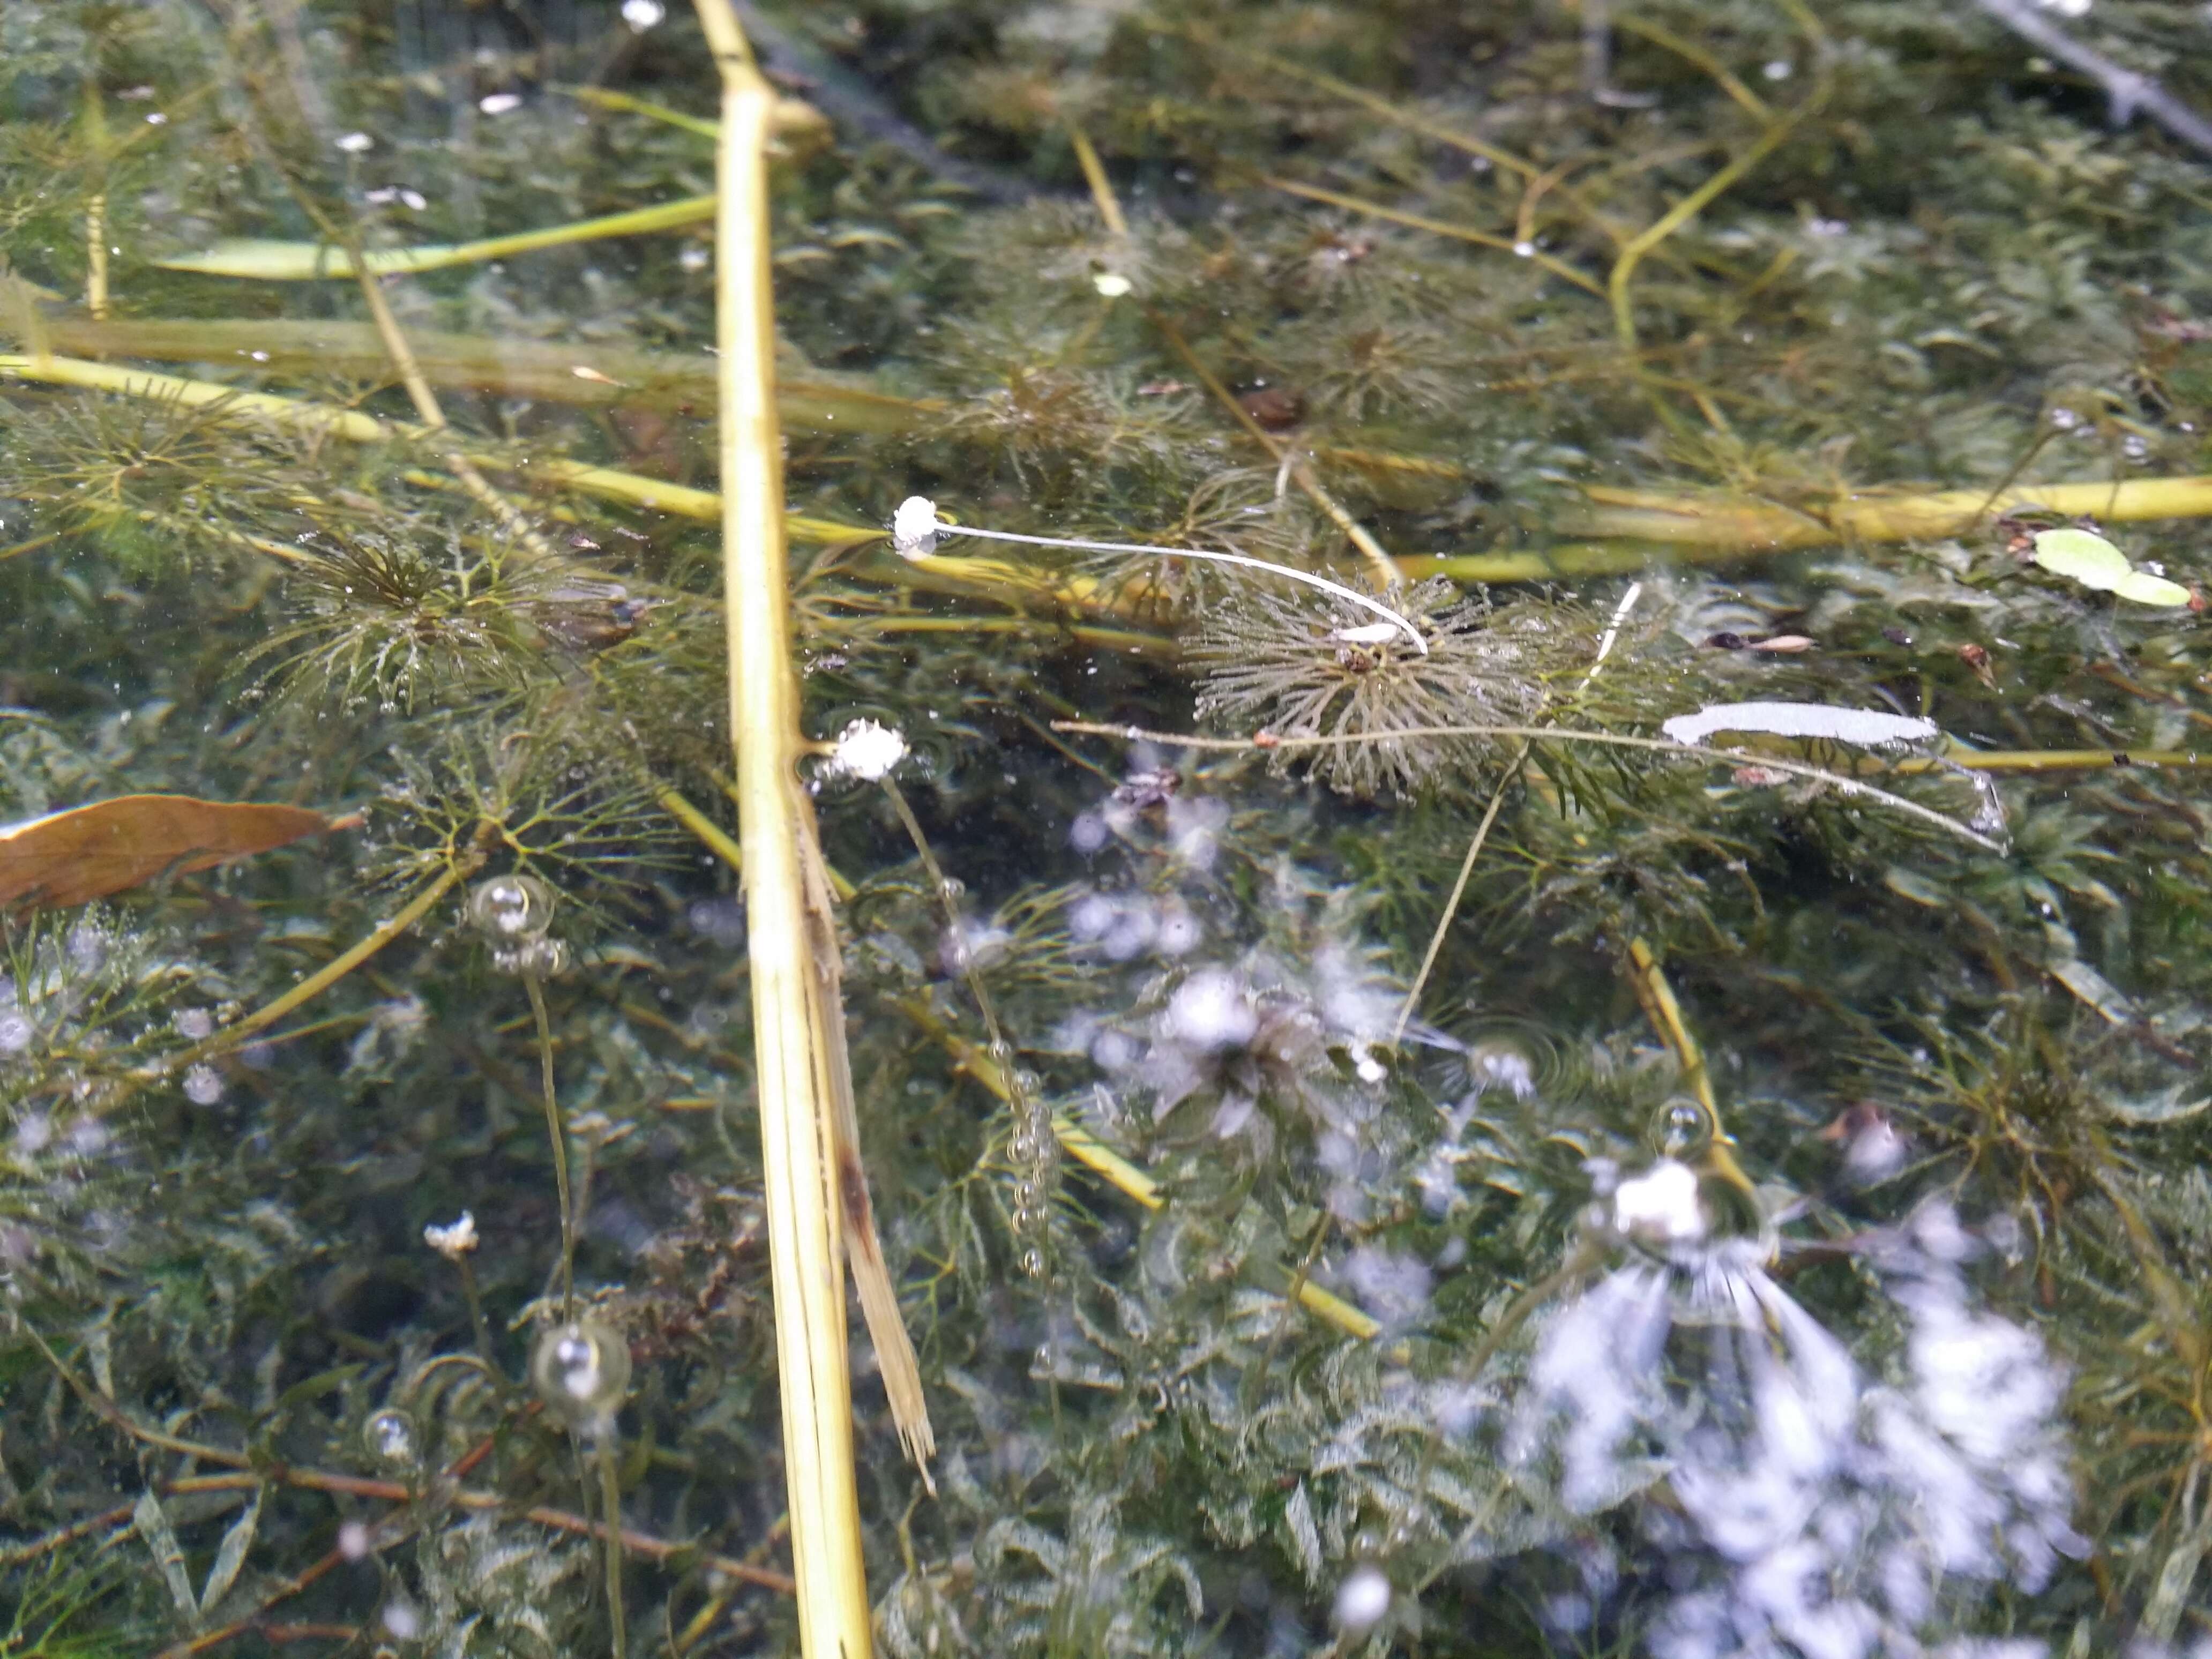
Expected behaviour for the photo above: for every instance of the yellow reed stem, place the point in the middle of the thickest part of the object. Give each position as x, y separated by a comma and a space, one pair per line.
709, 833
793, 1077
95, 205
1094, 174
1656, 996
1625, 528
594, 376
267, 261
604, 482
2049, 760
1558, 267
795, 119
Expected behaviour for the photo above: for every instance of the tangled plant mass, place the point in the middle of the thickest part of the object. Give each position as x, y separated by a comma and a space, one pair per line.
1402, 1155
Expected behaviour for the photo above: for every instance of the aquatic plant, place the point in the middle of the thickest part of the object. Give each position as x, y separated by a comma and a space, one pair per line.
1395, 1112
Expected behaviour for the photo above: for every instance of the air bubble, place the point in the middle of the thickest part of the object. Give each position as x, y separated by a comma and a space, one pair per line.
581, 1370
1681, 1129
533, 958
390, 1438
511, 907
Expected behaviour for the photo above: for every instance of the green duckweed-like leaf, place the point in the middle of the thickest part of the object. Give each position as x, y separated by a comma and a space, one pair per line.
2084, 556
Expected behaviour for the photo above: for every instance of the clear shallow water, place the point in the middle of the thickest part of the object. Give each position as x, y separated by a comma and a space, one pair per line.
1772, 1223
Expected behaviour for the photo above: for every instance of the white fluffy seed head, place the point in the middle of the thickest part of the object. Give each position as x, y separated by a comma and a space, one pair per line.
868, 751
452, 1241
913, 527
1660, 1205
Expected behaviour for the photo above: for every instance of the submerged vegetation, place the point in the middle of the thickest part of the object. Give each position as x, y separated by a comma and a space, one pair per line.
1379, 1147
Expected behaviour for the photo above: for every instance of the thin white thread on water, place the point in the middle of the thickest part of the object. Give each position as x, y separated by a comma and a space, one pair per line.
1350, 595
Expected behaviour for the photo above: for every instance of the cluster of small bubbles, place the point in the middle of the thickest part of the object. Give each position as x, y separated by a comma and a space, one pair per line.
1681, 1129
202, 1086
88, 947
390, 1439
1032, 1150
533, 958
516, 911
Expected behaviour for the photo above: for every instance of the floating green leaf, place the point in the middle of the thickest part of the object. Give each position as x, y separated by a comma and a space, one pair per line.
2087, 558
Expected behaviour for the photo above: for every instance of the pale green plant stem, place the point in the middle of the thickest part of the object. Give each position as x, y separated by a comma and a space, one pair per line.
1850, 786
553, 1129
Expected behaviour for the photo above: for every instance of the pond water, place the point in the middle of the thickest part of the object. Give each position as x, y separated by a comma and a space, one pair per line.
1499, 703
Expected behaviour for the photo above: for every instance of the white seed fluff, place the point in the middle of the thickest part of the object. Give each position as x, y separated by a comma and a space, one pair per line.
455, 1241
868, 751
913, 527
1661, 1205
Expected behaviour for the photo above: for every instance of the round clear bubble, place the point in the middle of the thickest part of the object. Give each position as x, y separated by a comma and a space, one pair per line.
511, 907
1512, 1057
390, 1438
1681, 1129
581, 1370
16, 1031
202, 1086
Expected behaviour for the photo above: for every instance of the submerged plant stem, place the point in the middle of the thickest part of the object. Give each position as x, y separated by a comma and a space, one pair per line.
1649, 980
611, 1508
1302, 473
1847, 786
560, 1140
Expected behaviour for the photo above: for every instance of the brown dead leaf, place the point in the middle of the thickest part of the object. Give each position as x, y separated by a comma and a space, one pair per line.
89, 851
